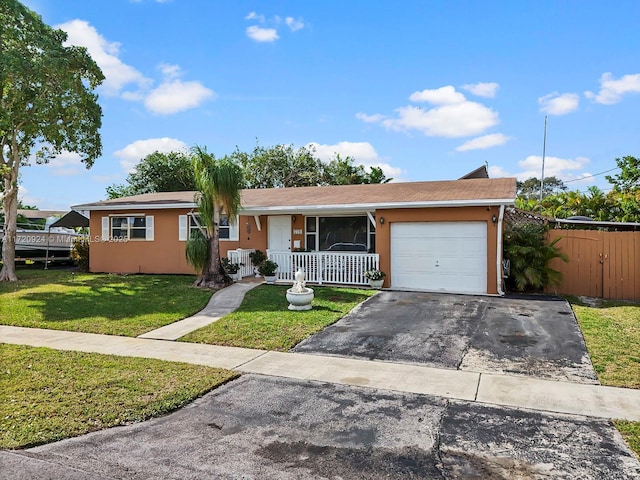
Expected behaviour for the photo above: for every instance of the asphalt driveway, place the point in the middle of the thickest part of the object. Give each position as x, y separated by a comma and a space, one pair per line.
519, 335
260, 427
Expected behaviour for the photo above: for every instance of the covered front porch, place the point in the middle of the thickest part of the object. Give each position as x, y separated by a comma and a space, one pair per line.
338, 268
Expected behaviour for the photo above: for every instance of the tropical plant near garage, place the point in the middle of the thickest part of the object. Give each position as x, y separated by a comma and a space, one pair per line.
530, 254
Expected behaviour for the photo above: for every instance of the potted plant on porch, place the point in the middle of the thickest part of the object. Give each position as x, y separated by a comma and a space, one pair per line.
257, 257
268, 270
375, 277
231, 269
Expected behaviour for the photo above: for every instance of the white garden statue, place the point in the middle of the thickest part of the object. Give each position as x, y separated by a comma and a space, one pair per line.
299, 295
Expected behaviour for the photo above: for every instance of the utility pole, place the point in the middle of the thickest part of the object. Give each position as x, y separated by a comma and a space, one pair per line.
544, 150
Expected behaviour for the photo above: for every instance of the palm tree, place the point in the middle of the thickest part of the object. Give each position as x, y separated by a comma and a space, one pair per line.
219, 183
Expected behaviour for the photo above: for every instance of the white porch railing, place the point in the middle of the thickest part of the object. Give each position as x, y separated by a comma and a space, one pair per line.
346, 268
241, 255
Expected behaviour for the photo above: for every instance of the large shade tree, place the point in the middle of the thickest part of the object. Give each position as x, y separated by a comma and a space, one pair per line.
286, 166
157, 172
47, 106
219, 183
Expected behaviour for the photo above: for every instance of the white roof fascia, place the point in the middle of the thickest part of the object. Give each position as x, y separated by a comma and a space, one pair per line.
311, 209
136, 206
369, 207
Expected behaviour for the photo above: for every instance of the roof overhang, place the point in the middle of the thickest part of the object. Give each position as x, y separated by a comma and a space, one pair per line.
308, 209
135, 206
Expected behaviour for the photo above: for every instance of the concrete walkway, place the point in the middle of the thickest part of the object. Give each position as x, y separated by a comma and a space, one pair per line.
504, 390
221, 303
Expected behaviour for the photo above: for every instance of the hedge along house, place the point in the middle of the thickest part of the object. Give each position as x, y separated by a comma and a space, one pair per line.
433, 236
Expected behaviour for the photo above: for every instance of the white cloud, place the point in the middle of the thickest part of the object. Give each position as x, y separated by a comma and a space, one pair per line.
559, 104
270, 34
170, 71
134, 152
562, 168
260, 34
362, 152
375, 118
486, 141
459, 120
611, 91
254, 16
294, 24
66, 164
118, 75
482, 89
439, 96
27, 199
174, 95
453, 115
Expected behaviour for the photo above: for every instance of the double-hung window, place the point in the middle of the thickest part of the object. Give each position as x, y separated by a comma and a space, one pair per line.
127, 227
188, 224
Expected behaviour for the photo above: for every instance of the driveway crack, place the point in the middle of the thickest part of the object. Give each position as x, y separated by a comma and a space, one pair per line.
437, 452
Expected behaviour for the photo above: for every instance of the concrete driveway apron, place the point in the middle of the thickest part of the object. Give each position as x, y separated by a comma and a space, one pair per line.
520, 335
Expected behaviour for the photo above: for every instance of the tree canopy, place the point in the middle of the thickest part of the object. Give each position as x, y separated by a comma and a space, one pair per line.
530, 188
47, 105
158, 172
628, 180
285, 166
621, 204
264, 167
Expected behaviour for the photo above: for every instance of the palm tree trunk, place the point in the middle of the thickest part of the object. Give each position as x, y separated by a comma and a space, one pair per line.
213, 275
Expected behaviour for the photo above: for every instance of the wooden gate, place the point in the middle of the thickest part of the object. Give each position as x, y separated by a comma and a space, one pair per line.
601, 264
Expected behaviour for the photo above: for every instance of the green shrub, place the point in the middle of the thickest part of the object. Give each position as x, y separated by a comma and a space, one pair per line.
197, 250
80, 253
527, 249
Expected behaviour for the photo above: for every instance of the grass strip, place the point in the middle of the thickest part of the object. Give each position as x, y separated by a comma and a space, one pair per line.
47, 395
127, 305
612, 333
263, 321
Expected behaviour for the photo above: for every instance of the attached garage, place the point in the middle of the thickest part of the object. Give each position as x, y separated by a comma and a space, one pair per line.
439, 256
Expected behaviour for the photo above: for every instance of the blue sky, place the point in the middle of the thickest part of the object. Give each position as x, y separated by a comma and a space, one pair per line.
428, 90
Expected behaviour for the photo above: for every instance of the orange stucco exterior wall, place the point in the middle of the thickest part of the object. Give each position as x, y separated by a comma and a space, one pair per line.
165, 254
451, 214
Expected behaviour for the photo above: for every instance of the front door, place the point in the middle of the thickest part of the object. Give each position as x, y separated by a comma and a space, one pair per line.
279, 233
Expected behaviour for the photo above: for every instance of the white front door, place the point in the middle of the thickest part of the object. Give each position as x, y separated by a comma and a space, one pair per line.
279, 233
439, 256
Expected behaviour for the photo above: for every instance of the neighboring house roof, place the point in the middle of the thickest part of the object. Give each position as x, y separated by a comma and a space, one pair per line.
39, 214
338, 198
480, 172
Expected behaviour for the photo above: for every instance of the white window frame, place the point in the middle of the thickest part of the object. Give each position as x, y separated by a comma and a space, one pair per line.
314, 248
108, 227
186, 226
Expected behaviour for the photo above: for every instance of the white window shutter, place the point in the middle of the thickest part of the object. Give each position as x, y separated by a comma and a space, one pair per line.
149, 225
183, 233
234, 229
105, 229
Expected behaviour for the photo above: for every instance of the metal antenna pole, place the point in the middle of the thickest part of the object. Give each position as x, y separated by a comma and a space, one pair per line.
544, 150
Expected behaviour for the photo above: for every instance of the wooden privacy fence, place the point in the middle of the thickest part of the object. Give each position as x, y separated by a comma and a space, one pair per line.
601, 264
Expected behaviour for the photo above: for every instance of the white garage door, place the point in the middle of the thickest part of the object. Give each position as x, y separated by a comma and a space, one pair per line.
439, 256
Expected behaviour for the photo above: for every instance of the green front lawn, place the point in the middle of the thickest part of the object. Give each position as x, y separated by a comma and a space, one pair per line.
264, 322
47, 395
126, 305
612, 333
